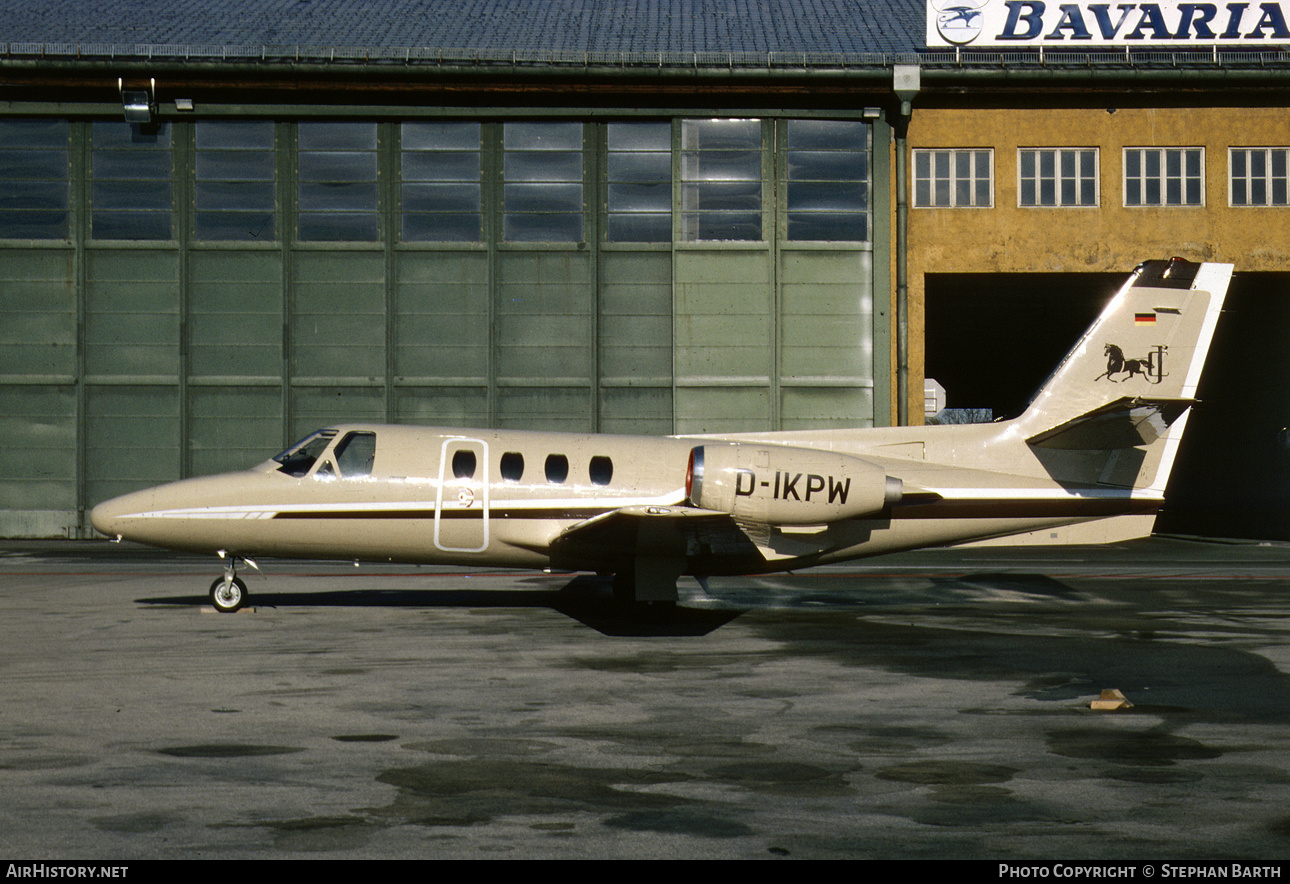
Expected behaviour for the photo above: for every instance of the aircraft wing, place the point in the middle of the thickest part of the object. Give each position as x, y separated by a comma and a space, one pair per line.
651, 530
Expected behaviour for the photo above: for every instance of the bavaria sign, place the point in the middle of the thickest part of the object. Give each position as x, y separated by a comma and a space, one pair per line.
1167, 24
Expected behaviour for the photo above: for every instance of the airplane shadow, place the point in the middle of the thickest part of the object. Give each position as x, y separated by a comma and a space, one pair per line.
586, 599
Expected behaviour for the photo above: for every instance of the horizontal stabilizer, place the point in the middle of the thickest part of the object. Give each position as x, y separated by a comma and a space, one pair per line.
1125, 423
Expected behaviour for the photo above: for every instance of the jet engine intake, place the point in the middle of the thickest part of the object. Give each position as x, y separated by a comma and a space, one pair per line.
779, 485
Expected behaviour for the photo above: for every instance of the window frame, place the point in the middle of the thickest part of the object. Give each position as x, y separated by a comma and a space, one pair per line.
1059, 178
432, 184
535, 170
1270, 180
132, 184
1163, 179
826, 181
714, 178
628, 184
212, 179
29, 177
331, 205
953, 181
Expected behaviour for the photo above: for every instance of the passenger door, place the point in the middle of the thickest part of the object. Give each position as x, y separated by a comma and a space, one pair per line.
461, 504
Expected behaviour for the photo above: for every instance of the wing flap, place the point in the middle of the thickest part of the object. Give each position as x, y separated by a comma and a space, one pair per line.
632, 531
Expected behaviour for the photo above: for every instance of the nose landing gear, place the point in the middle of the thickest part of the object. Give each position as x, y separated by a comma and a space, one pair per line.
228, 593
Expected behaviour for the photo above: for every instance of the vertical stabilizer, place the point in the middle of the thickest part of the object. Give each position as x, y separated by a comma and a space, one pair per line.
1120, 399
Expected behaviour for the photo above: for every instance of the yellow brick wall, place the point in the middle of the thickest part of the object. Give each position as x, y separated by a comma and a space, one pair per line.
1108, 238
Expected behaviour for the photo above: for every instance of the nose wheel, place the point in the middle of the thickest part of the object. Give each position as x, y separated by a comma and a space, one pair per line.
228, 593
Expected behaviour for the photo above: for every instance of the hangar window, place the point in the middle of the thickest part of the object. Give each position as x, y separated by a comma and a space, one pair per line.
953, 179
441, 191
234, 192
639, 182
1164, 176
721, 196
1259, 176
512, 466
828, 180
34, 179
1059, 177
557, 468
337, 182
542, 182
130, 181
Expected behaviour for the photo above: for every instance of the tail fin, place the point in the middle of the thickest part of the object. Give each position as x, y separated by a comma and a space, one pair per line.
1121, 397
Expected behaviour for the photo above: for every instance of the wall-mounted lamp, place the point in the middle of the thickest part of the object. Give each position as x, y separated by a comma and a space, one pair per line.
138, 104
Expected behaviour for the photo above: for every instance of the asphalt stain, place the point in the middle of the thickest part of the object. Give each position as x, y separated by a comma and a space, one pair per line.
226, 750
463, 793
782, 778
321, 834
473, 747
134, 823
1137, 748
1058, 658
364, 738
947, 773
682, 821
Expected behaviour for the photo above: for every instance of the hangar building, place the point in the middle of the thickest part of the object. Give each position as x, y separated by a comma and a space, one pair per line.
223, 224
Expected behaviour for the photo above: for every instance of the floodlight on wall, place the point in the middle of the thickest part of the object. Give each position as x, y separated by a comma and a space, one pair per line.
138, 104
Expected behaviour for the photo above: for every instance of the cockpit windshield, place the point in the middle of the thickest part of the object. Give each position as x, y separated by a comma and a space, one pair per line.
299, 458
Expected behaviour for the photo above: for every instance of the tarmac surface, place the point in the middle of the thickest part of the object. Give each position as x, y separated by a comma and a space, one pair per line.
926, 705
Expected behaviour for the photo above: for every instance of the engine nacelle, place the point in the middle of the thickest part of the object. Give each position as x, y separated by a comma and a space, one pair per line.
777, 485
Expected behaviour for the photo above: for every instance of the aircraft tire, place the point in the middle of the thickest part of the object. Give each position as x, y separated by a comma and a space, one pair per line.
228, 599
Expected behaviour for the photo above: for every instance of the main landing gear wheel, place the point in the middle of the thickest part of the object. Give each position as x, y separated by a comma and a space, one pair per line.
228, 594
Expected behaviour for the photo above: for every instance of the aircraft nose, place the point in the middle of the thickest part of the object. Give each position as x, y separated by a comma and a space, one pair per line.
106, 516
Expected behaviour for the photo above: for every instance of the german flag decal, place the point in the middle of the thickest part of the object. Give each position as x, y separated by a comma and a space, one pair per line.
1144, 319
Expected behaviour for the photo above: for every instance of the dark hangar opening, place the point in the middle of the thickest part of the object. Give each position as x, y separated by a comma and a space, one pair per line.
1232, 476
991, 339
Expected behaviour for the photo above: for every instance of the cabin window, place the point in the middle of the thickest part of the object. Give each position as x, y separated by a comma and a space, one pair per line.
300, 458
463, 463
354, 455
602, 470
512, 466
557, 468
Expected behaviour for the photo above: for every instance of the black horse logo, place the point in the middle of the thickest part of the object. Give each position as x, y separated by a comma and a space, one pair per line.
1151, 368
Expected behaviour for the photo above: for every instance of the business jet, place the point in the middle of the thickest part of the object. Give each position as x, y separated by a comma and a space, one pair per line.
1097, 440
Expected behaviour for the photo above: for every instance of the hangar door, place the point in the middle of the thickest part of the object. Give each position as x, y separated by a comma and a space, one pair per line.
189, 297
992, 339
